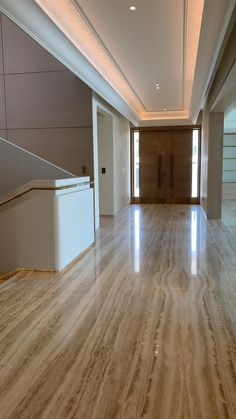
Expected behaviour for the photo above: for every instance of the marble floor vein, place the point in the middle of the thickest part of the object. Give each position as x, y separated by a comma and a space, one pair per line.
143, 326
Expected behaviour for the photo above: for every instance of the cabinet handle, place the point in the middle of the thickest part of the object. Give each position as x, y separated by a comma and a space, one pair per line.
172, 171
159, 171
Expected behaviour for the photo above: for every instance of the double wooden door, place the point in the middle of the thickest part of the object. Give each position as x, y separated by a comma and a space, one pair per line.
165, 166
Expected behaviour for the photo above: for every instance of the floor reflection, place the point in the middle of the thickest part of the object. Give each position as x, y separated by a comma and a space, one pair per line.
137, 240
194, 244
99, 340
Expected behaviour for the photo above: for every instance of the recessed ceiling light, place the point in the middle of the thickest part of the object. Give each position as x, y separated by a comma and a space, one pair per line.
133, 8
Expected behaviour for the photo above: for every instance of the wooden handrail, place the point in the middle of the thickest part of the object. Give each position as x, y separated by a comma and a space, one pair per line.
59, 188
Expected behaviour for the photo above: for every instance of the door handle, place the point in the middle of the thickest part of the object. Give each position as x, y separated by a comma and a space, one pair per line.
172, 171
159, 171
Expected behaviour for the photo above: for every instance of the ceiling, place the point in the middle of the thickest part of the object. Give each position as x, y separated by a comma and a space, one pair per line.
122, 54
135, 50
145, 54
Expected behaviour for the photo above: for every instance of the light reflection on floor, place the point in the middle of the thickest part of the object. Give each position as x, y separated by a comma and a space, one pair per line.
194, 241
137, 240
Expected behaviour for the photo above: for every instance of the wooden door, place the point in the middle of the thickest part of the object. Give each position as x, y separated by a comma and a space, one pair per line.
165, 166
154, 148
180, 163
148, 167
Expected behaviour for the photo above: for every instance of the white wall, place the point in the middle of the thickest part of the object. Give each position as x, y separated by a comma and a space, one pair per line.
121, 156
105, 160
47, 229
74, 225
18, 167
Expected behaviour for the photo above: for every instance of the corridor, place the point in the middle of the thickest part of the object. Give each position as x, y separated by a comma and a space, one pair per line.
143, 326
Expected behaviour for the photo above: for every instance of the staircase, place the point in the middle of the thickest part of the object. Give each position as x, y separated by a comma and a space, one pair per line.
46, 213
18, 166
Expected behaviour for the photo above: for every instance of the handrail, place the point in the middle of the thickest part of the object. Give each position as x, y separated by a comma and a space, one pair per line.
59, 188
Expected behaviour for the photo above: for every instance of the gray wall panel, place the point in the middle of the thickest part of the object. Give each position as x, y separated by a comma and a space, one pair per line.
3, 134
49, 110
1, 55
22, 167
22, 54
43, 100
2, 104
70, 148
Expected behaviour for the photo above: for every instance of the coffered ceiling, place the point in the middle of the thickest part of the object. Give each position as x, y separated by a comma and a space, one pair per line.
124, 54
147, 46
135, 50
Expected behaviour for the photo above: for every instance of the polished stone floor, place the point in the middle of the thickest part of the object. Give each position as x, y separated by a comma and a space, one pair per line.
143, 326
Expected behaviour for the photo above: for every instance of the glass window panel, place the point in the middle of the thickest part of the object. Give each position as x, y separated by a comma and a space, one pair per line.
136, 164
230, 152
195, 163
229, 164
230, 140
229, 177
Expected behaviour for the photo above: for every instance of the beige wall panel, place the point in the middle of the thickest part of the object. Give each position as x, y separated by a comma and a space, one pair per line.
204, 160
1, 55
22, 54
70, 148
212, 137
18, 167
2, 104
215, 163
211, 166
3, 134
121, 155
49, 110
46, 100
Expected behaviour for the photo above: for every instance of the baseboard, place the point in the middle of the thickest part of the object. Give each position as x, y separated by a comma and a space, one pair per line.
8, 275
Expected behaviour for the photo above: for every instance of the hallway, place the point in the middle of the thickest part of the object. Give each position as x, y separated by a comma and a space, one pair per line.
143, 326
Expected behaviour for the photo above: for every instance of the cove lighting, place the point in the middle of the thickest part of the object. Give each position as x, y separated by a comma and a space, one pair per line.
70, 20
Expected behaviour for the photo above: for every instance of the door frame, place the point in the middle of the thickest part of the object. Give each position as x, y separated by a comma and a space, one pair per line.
135, 200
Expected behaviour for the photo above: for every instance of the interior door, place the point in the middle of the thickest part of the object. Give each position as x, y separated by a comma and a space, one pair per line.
148, 168
165, 166
180, 163
154, 149
163, 141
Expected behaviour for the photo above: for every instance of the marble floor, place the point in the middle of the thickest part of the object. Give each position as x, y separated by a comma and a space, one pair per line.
143, 326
